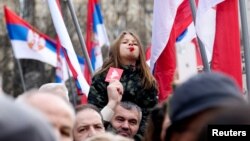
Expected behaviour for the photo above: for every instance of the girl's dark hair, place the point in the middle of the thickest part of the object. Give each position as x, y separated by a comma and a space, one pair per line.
114, 60
155, 122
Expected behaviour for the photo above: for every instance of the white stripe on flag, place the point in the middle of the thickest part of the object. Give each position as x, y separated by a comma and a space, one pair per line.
102, 35
22, 51
163, 20
66, 43
206, 24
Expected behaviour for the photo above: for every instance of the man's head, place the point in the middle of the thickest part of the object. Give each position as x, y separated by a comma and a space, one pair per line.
195, 101
126, 119
55, 88
57, 110
88, 123
20, 122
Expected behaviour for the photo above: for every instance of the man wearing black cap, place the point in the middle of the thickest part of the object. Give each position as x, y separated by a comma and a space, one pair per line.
196, 101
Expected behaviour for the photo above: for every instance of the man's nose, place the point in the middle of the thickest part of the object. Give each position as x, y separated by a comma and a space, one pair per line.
92, 132
125, 125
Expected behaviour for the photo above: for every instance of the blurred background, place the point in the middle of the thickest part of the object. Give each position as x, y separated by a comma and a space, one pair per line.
118, 15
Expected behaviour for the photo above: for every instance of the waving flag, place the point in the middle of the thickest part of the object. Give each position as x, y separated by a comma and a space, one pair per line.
170, 19
220, 34
27, 42
205, 24
59, 72
70, 55
62, 71
226, 53
96, 36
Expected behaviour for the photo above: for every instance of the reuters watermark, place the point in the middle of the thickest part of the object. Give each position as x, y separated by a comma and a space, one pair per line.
234, 132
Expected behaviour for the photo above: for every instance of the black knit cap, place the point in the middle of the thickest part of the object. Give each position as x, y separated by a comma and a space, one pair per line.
203, 91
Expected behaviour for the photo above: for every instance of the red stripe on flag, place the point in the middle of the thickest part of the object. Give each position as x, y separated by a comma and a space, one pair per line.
75, 75
166, 63
198, 54
226, 53
73, 71
13, 18
165, 68
89, 37
148, 53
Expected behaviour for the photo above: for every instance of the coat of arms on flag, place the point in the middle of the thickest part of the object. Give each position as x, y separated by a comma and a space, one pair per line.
35, 42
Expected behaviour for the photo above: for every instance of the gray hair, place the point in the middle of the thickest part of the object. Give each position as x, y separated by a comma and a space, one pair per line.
24, 97
80, 108
55, 88
131, 106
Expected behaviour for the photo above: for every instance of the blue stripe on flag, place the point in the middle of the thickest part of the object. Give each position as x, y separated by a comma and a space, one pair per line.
17, 32
81, 60
97, 17
58, 79
51, 46
93, 58
183, 34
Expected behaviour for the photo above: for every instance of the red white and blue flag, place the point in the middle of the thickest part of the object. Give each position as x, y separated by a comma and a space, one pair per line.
96, 36
69, 53
27, 42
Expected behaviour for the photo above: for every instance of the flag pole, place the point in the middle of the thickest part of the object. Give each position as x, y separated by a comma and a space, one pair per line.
21, 73
245, 38
201, 46
79, 33
17, 60
72, 89
19, 66
59, 43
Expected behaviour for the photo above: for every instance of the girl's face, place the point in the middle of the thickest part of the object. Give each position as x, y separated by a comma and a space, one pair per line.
129, 48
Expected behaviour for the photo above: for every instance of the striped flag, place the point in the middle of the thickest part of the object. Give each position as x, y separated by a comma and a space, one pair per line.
222, 39
28, 42
96, 36
170, 20
205, 24
70, 55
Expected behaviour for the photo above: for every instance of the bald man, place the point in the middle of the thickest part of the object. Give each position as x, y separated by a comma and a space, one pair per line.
55, 88
57, 110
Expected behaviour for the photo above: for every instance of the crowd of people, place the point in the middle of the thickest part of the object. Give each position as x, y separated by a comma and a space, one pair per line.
126, 109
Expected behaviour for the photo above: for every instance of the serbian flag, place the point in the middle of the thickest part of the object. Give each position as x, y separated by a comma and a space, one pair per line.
170, 19
62, 71
70, 55
223, 45
59, 72
27, 42
96, 36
